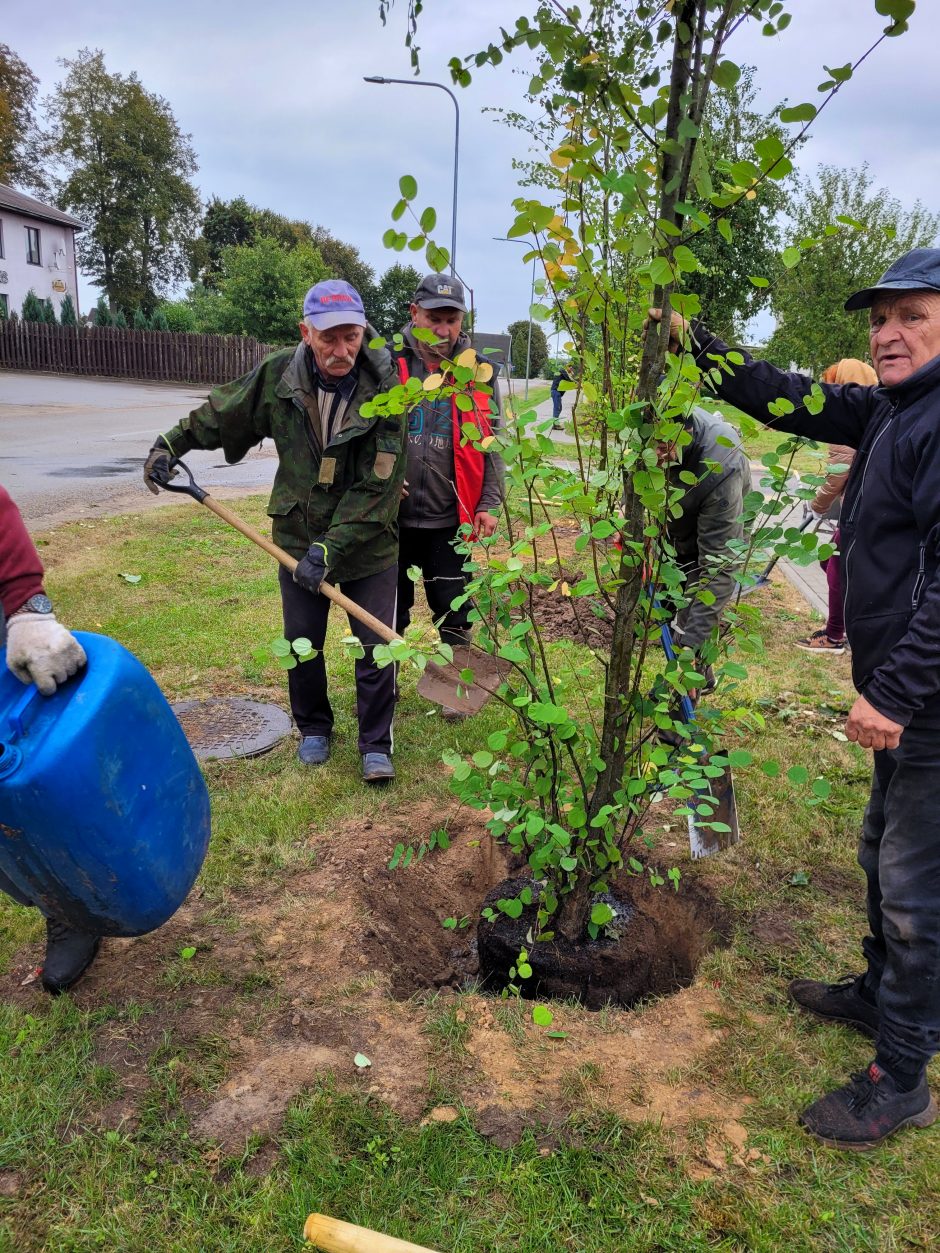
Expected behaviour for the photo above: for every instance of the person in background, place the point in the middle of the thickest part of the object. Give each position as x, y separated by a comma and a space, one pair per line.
562, 376
450, 484
831, 639
38, 650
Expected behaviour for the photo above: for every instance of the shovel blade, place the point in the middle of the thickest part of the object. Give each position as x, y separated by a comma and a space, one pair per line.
719, 807
442, 684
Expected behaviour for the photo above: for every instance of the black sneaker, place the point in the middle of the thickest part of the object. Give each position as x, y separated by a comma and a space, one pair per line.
69, 953
868, 1110
837, 1002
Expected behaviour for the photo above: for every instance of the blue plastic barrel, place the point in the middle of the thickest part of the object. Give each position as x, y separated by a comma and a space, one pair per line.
104, 813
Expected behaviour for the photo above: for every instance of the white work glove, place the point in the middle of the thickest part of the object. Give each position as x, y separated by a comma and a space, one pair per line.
41, 651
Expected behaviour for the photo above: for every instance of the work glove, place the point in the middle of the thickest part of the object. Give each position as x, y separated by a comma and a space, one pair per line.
41, 651
311, 570
159, 467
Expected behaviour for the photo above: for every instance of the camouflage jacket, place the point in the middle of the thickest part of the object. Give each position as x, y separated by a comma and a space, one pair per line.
346, 494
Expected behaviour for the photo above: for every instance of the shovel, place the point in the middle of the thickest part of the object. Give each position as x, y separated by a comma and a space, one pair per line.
718, 805
445, 685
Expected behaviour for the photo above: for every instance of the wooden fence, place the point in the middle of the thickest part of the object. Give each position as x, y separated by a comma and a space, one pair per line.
167, 356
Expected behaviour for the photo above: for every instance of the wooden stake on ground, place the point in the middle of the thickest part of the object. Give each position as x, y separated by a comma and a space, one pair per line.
334, 1236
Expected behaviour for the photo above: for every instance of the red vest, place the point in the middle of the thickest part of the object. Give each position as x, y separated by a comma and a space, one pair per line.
468, 460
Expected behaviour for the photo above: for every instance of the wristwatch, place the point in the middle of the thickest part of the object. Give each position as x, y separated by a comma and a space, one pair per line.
40, 603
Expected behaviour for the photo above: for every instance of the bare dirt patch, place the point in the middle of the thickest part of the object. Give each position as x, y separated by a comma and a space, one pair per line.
295, 977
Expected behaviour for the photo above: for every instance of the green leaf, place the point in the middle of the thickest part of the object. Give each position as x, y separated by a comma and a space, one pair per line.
798, 774
724, 229
428, 220
799, 879
388, 239
542, 1016
378, 342
131, 578
188, 954
799, 113
361, 1061
399, 209
601, 914
822, 788
791, 257
758, 282
726, 74
408, 187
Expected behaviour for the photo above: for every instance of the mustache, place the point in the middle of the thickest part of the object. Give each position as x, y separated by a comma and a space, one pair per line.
344, 360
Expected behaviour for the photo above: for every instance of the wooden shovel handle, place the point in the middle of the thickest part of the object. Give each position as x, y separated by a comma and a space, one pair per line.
290, 563
334, 1236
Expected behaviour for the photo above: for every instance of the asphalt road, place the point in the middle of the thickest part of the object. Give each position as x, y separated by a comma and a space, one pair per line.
71, 447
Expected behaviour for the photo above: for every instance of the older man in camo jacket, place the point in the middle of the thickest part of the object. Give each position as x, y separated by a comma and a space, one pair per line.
334, 503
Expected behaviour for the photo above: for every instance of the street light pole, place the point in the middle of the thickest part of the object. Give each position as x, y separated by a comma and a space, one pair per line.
528, 349
420, 82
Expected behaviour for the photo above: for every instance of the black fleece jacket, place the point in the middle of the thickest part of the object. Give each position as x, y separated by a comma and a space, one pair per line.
890, 522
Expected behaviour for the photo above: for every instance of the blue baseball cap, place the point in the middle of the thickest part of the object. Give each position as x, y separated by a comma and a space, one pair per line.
334, 302
917, 270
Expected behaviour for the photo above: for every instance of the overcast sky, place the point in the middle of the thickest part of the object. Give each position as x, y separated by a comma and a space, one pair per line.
273, 97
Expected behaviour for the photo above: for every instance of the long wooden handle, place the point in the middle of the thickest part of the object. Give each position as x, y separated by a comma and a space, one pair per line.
290, 563
334, 1236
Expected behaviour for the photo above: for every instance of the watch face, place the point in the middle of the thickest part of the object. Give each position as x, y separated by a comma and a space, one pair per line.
38, 604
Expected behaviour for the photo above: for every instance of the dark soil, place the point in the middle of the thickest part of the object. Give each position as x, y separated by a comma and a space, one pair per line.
663, 935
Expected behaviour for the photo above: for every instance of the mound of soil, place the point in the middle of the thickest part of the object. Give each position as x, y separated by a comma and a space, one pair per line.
295, 976
662, 937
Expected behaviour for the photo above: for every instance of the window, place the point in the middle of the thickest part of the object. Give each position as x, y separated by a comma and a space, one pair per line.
33, 255
4, 306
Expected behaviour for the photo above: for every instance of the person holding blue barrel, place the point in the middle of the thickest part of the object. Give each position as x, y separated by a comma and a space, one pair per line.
39, 650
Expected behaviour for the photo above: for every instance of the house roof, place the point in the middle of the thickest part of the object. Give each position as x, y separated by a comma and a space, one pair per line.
19, 202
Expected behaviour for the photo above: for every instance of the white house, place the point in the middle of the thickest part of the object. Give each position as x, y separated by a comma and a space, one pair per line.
37, 250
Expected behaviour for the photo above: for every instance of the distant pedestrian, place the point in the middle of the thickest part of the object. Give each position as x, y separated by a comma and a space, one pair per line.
562, 376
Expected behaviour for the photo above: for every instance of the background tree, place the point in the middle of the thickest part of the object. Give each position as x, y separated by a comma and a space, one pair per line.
751, 246
343, 261
102, 313
21, 160
519, 335
140, 321
124, 167
225, 224
32, 309
158, 322
67, 311
388, 306
262, 288
119, 319
860, 231
48, 312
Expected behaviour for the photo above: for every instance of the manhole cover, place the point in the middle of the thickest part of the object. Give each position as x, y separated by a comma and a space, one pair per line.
231, 726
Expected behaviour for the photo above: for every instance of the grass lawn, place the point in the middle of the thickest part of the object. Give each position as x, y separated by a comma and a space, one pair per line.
671, 1127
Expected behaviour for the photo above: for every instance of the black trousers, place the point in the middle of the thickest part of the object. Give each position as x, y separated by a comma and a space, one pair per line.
432, 548
900, 853
305, 615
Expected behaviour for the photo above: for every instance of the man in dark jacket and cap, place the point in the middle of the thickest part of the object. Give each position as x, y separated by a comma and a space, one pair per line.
890, 555
450, 483
334, 504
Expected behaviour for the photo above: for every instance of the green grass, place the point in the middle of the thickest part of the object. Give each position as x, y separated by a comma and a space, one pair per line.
592, 1185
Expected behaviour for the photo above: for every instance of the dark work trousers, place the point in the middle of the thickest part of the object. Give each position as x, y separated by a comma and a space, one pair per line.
305, 615
899, 851
432, 548
556, 405
8, 886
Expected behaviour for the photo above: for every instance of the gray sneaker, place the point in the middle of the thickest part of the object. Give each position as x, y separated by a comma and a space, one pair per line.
377, 768
837, 1002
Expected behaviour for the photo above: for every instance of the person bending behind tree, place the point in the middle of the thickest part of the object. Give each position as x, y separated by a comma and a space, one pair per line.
334, 503
450, 484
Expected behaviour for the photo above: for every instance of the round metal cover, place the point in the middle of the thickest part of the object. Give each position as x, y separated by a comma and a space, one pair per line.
231, 726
